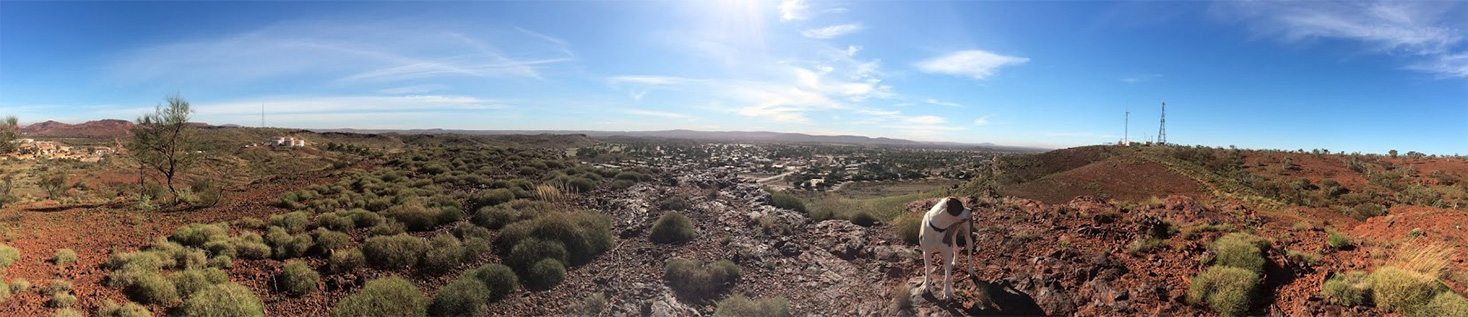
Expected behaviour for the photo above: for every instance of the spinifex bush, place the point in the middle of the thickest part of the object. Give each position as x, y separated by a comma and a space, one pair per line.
499, 279
387, 297
462, 297
700, 280
584, 235
444, 253
740, 306
298, 279
226, 299
1227, 290
397, 251
1240, 250
672, 227
1349, 289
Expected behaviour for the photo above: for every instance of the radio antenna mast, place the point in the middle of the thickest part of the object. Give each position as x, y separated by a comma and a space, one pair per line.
1126, 132
1162, 126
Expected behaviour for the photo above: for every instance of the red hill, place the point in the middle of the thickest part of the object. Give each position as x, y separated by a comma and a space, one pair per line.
109, 128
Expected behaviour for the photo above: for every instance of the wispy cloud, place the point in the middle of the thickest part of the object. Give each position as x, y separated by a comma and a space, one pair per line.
831, 32
659, 114
1140, 78
976, 64
982, 121
341, 51
649, 80
414, 89
932, 101
793, 10
1425, 29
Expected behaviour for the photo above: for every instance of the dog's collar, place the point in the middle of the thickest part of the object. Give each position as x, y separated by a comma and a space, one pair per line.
930, 225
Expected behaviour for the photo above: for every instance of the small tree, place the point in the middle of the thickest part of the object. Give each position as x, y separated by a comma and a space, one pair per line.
164, 142
1392, 153
54, 183
9, 131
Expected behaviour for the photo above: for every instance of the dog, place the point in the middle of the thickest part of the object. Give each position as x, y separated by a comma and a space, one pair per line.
939, 234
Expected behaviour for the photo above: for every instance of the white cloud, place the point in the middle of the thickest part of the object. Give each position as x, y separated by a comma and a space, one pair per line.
976, 64
793, 10
982, 121
660, 114
1133, 79
924, 120
414, 89
649, 80
346, 104
346, 52
831, 32
1424, 29
942, 103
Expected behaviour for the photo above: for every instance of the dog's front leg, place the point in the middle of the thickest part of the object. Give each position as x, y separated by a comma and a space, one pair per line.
948, 258
927, 284
968, 237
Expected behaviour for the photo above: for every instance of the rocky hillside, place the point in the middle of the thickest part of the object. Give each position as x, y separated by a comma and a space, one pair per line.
109, 128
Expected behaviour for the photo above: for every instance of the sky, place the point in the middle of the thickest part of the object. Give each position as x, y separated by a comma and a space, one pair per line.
1345, 76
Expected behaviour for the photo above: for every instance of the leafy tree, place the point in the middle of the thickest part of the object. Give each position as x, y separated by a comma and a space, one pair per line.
9, 131
54, 184
164, 142
1392, 153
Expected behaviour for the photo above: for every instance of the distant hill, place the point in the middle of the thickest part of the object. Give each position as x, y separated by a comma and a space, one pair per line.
109, 128
724, 136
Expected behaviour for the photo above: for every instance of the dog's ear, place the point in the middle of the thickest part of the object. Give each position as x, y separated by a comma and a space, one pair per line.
954, 207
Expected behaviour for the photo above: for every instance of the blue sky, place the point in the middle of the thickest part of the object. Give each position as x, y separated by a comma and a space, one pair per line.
1357, 76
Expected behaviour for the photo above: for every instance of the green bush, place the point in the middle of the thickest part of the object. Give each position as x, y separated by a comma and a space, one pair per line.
1349, 289
1402, 291
444, 253
221, 262
1227, 290
286, 246
250, 246
672, 227
5, 290
490, 198
532, 250
499, 279
545, 274
738, 305
62, 300
188, 282
335, 221
397, 251
293, 222
495, 217
225, 247
462, 297
1240, 250
909, 226
1338, 241
674, 203
151, 288
864, 219
387, 227
327, 240
196, 234
345, 260
385, 297
64, 257
224, 300
16, 285
466, 231
250, 223
787, 201
414, 216
110, 308
1144, 245
1446, 304
584, 235
364, 219
298, 279
695, 280
67, 312
8, 255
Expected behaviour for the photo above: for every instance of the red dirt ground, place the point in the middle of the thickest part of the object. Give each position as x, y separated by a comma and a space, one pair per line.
1114, 177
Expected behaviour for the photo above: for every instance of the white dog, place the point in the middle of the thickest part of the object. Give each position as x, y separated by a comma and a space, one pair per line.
939, 234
